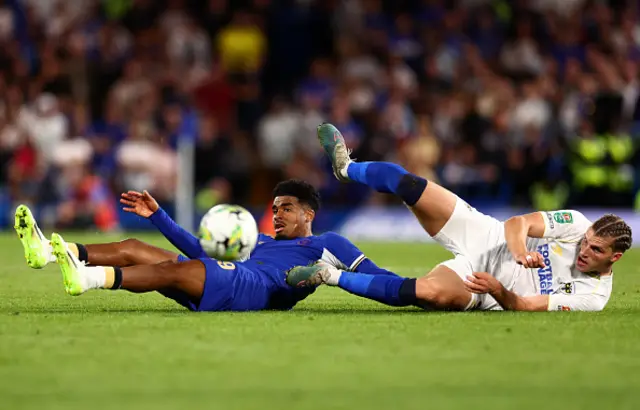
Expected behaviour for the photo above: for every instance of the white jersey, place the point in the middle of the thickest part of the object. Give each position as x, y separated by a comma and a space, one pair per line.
567, 287
479, 243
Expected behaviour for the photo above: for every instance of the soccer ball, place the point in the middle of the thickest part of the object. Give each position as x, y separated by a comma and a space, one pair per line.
228, 233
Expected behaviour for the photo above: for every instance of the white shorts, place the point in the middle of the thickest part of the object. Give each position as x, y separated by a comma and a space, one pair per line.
471, 236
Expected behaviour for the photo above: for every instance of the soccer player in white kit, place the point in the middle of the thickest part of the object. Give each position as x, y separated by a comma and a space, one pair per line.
542, 261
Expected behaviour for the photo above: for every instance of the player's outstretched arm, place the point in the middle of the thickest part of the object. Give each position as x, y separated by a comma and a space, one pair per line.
143, 204
511, 301
482, 282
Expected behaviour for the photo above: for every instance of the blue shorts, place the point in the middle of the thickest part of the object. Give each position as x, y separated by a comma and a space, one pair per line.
227, 287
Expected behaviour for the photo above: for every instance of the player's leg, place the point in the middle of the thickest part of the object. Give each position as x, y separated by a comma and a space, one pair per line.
185, 277
128, 252
37, 248
441, 289
391, 290
202, 284
432, 204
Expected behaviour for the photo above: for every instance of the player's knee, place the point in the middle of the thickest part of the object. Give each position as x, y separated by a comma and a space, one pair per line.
129, 248
434, 293
130, 243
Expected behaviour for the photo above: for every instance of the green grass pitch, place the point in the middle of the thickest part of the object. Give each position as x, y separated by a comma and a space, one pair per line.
117, 350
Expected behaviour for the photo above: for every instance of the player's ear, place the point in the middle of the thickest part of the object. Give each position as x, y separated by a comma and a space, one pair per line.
309, 214
616, 257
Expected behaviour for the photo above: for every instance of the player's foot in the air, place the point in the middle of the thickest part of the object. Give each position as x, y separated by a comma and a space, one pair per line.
71, 267
37, 249
308, 276
334, 145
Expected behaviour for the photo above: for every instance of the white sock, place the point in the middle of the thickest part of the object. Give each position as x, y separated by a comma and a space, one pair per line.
343, 172
334, 276
95, 276
51, 258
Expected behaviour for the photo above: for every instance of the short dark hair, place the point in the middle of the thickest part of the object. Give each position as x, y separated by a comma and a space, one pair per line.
612, 226
306, 193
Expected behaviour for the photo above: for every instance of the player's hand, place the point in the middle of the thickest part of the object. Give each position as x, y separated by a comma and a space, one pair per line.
530, 260
142, 204
482, 282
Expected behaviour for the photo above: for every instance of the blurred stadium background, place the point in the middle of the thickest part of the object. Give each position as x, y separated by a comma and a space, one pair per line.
511, 104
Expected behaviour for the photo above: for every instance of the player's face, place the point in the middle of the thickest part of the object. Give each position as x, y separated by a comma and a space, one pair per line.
596, 253
289, 217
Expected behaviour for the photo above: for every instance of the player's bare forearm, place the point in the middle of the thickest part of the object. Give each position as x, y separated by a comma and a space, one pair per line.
512, 301
515, 231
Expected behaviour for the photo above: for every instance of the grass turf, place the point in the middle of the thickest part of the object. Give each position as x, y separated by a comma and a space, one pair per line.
333, 351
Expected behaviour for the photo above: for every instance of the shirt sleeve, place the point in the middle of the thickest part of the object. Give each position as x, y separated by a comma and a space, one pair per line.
565, 224
177, 235
581, 303
340, 253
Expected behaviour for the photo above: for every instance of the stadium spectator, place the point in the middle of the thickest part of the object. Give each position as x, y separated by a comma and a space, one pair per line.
497, 100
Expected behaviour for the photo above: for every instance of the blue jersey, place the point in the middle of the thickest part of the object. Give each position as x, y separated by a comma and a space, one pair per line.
273, 257
259, 282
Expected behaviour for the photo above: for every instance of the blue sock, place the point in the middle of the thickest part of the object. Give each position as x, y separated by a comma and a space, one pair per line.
388, 178
387, 289
370, 268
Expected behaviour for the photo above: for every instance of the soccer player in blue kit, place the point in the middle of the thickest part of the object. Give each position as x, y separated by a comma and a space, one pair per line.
196, 281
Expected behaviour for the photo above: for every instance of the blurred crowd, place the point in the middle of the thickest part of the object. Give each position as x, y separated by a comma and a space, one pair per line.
523, 102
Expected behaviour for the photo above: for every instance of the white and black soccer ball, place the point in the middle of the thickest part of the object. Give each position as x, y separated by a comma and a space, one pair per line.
228, 233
